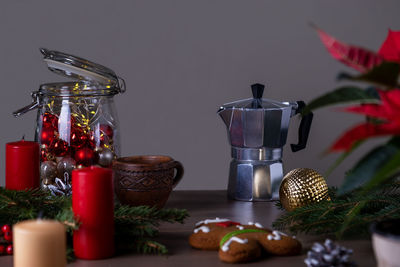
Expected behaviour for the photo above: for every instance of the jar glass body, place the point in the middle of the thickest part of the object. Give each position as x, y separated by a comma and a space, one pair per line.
77, 126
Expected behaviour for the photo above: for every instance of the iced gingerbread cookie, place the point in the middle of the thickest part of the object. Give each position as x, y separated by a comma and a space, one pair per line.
241, 242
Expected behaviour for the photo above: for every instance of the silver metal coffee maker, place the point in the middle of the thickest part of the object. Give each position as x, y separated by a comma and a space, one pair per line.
257, 131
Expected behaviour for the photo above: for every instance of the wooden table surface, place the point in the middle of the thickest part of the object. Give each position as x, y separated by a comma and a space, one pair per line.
210, 204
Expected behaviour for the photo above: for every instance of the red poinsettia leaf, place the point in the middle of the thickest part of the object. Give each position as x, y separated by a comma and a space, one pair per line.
359, 132
364, 131
356, 57
388, 109
375, 111
390, 49
391, 98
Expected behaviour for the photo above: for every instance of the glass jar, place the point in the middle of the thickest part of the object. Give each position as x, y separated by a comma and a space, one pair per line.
77, 123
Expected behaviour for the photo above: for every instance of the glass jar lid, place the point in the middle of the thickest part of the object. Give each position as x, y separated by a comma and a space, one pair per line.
81, 69
76, 89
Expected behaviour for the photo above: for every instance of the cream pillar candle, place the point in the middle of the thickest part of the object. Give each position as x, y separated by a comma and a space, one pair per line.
39, 243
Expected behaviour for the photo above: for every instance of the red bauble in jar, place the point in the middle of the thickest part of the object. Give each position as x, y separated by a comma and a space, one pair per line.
59, 148
85, 156
91, 141
107, 130
50, 120
78, 138
47, 135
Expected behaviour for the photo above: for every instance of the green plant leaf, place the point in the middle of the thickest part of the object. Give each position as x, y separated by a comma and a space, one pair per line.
386, 172
347, 94
382, 175
342, 157
368, 166
386, 74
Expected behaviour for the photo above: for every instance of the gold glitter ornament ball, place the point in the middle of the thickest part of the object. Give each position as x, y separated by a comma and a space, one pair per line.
301, 187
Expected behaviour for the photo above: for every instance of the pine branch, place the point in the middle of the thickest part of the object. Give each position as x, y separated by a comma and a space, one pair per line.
327, 217
149, 246
134, 226
147, 214
138, 224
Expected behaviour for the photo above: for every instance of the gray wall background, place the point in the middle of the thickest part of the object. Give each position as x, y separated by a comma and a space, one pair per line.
182, 59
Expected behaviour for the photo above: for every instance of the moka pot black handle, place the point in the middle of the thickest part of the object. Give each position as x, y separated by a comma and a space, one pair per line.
304, 128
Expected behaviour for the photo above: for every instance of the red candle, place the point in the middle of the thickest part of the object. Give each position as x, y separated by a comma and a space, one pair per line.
22, 165
93, 205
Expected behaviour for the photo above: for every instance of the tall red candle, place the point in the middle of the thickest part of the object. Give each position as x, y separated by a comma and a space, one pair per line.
93, 204
22, 165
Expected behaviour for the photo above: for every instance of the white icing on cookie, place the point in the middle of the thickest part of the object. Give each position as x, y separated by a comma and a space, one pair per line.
203, 228
258, 225
225, 247
216, 220
276, 235
239, 227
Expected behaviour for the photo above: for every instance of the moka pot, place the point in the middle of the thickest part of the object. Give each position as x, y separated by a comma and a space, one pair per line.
257, 131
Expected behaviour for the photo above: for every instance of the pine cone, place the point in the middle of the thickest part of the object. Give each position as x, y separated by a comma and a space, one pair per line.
329, 254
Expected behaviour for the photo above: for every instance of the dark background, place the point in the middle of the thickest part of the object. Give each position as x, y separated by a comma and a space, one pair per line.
182, 60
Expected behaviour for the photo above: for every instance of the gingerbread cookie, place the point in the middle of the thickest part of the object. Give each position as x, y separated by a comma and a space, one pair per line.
241, 242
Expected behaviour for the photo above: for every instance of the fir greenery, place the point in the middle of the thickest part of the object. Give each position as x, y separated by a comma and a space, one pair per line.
135, 227
332, 217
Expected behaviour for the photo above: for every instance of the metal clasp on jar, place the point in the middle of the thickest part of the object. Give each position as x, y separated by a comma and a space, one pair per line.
31, 106
121, 85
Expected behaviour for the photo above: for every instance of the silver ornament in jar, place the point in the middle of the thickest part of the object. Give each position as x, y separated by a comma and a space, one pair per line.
105, 157
65, 165
48, 171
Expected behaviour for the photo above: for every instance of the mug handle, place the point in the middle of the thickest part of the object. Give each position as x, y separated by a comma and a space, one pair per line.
179, 173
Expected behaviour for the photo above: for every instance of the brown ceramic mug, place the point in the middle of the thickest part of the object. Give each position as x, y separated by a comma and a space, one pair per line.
146, 180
